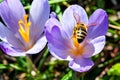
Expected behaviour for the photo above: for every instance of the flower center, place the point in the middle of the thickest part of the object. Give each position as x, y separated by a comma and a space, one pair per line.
78, 50
79, 33
24, 29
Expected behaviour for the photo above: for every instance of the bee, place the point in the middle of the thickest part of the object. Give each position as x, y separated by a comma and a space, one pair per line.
79, 32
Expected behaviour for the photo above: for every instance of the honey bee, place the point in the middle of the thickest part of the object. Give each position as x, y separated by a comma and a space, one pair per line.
79, 32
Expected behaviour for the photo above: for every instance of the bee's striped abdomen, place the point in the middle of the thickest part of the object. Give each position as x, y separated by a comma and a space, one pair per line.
81, 33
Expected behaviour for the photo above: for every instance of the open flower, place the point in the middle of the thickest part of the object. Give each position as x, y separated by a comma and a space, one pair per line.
20, 35
76, 38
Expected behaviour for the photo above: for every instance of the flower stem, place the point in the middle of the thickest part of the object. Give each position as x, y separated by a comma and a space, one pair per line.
74, 75
109, 61
29, 64
27, 7
114, 27
82, 77
56, 1
43, 59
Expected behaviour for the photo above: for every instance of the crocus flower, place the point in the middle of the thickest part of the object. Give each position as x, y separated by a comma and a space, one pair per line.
20, 35
76, 38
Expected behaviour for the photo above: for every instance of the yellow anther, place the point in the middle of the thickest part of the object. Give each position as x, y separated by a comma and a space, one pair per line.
24, 29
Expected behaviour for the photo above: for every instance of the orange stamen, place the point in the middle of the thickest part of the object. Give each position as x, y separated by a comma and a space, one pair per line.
78, 50
24, 29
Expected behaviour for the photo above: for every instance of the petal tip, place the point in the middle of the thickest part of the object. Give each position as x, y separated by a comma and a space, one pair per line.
84, 67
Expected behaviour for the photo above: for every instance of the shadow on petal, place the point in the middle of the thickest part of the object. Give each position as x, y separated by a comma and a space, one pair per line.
8, 49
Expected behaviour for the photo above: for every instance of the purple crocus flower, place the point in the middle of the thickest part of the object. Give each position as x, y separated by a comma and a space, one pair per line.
76, 38
20, 35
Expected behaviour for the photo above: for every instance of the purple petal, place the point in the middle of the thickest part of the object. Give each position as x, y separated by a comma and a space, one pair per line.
58, 42
98, 44
94, 46
69, 20
38, 46
8, 49
11, 12
39, 13
99, 24
52, 22
58, 53
53, 15
81, 64
56, 39
89, 50
7, 36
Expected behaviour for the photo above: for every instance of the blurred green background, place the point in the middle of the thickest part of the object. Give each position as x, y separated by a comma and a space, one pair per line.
43, 66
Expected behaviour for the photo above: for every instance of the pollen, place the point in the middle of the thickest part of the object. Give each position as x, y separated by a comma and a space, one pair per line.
24, 28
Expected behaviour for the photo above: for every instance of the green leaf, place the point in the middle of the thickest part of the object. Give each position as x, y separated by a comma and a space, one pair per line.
2, 66
115, 70
15, 66
1, 1
67, 76
58, 11
101, 3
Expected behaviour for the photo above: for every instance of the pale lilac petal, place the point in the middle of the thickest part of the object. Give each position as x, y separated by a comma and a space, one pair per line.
8, 49
53, 15
56, 39
89, 50
39, 13
94, 46
7, 36
50, 23
98, 44
98, 24
58, 53
81, 64
57, 44
68, 19
38, 46
11, 12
